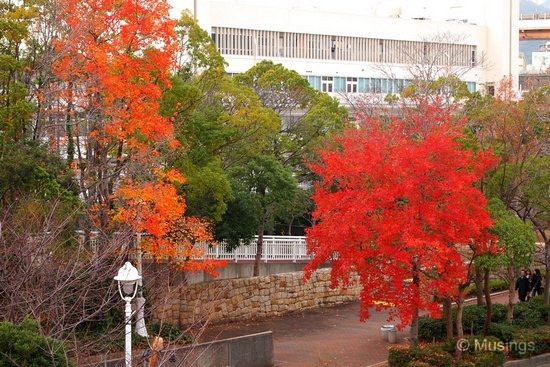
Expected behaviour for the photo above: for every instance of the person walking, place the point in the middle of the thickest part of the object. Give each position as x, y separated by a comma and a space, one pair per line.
536, 283
522, 286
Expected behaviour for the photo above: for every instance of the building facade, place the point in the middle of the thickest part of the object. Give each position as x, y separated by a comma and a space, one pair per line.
368, 47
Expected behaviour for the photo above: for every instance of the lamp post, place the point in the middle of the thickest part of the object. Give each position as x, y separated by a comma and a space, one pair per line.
127, 279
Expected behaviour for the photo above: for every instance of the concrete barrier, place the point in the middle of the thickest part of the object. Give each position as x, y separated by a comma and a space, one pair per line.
254, 350
536, 361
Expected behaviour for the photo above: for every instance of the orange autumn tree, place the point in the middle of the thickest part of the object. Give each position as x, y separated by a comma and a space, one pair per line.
155, 208
396, 204
114, 60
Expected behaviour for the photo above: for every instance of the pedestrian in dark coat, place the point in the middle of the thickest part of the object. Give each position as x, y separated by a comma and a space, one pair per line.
536, 283
523, 286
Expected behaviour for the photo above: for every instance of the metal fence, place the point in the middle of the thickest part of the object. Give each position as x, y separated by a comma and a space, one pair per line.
275, 248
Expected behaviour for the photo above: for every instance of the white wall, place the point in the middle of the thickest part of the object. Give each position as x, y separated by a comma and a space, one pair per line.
495, 31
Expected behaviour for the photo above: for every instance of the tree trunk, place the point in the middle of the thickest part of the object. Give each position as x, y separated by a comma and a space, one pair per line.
547, 276
459, 327
448, 316
479, 287
511, 294
489, 311
259, 245
414, 320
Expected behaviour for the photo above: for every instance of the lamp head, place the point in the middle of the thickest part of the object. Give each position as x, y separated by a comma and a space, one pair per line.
127, 279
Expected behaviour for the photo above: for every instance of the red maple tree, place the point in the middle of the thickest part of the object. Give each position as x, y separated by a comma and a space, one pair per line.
396, 201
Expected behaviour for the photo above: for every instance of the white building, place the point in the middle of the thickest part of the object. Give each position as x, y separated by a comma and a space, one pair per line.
366, 46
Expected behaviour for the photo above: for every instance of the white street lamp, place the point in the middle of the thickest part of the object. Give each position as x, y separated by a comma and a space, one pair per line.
127, 279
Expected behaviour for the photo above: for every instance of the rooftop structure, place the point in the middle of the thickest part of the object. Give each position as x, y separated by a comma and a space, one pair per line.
367, 46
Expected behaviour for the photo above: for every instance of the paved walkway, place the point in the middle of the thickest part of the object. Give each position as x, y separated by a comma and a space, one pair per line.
322, 337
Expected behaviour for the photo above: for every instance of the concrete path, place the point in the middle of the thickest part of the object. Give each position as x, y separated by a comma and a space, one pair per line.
322, 337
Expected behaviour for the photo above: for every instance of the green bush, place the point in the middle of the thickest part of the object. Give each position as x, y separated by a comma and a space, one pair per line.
464, 363
23, 346
528, 343
430, 329
495, 285
530, 314
502, 331
418, 364
169, 332
473, 318
483, 351
432, 356
436, 357
489, 359
499, 312
400, 357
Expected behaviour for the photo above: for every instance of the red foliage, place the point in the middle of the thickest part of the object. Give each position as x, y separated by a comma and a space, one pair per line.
394, 194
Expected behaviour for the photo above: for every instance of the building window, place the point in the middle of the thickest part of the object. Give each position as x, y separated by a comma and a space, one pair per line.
351, 85
327, 83
490, 89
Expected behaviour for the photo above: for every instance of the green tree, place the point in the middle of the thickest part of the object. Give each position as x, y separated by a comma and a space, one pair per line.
270, 185
308, 116
219, 124
15, 108
517, 243
22, 346
517, 131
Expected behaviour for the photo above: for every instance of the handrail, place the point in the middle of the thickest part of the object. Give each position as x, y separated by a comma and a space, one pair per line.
534, 16
275, 248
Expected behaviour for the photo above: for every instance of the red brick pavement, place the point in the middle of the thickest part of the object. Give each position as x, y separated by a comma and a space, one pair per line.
322, 337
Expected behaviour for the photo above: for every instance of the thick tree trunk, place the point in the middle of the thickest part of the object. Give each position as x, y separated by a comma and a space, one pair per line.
459, 326
448, 316
479, 287
489, 312
259, 245
511, 294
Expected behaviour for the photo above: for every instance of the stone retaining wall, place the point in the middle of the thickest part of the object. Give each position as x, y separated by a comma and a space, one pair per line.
250, 298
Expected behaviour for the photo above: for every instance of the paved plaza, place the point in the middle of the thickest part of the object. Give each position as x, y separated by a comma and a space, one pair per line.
322, 337
319, 337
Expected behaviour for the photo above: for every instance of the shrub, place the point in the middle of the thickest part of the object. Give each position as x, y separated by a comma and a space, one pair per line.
170, 332
22, 345
496, 285
449, 345
432, 356
430, 329
399, 357
502, 331
473, 318
436, 357
530, 314
537, 299
418, 364
499, 312
489, 359
528, 343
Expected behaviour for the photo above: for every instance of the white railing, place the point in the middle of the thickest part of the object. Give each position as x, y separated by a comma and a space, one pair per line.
535, 16
275, 248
